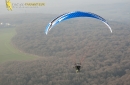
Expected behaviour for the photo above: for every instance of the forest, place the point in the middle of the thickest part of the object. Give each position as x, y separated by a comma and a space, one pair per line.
105, 56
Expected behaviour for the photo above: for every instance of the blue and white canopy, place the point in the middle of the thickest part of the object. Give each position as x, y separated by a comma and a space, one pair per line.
75, 15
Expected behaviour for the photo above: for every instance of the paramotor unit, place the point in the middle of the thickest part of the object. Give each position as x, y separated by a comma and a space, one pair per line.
75, 14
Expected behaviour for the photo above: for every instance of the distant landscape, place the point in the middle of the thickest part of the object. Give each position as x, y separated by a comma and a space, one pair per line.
7, 51
105, 56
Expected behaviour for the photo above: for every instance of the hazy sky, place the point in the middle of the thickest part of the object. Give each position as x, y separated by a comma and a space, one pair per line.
58, 6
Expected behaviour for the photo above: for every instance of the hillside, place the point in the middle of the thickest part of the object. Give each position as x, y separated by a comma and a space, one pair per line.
104, 55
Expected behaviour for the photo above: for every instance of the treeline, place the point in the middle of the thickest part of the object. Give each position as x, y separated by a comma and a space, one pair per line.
76, 36
59, 71
104, 55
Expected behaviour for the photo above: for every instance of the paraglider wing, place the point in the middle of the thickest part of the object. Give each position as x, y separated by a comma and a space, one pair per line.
74, 15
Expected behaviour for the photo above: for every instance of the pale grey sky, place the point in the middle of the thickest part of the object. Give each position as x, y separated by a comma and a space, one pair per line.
59, 6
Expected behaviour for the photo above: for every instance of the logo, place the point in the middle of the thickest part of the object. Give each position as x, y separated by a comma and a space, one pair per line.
8, 5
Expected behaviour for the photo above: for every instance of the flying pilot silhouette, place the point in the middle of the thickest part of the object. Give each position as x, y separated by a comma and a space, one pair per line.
77, 67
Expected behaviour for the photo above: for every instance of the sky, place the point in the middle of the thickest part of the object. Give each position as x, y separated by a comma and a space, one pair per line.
110, 9
59, 6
